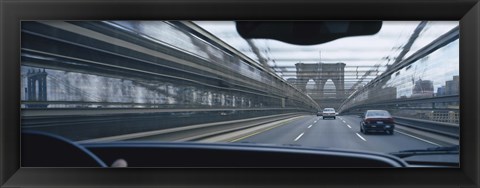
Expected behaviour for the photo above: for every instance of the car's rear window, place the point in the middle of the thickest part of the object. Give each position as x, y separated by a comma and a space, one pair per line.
378, 113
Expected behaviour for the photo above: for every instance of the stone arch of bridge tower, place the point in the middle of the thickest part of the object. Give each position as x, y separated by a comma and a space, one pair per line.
321, 73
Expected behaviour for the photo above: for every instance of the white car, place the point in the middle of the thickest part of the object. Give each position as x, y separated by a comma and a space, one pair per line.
329, 113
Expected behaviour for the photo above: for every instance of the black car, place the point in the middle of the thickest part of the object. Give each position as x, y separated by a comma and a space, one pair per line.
377, 121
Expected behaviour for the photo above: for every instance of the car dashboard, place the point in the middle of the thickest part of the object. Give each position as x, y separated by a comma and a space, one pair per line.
46, 150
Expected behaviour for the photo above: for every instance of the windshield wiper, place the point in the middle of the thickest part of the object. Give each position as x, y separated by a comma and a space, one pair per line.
429, 151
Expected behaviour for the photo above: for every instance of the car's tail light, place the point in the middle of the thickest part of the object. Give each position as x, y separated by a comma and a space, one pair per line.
390, 120
367, 121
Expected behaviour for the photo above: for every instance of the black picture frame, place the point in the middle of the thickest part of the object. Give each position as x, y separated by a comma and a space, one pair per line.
12, 12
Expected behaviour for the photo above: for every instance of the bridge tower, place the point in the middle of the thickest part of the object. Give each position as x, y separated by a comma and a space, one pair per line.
320, 73
36, 87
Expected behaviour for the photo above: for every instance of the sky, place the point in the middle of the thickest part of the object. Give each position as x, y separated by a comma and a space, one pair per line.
378, 49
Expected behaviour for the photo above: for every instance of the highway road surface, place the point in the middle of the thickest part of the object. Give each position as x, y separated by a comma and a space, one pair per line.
342, 132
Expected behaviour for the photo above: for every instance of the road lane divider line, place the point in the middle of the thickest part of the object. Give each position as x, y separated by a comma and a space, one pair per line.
349, 126
284, 122
361, 137
255, 133
309, 126
430, 142
298, 137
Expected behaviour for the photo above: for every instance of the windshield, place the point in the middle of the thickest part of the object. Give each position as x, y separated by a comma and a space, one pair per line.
204, 82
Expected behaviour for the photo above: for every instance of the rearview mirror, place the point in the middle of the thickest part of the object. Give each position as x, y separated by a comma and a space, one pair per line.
306, 32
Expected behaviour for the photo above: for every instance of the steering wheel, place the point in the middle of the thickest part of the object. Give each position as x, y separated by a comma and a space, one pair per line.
40, 149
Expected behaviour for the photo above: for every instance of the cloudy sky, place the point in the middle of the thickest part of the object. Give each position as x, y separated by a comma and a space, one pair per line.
379, 49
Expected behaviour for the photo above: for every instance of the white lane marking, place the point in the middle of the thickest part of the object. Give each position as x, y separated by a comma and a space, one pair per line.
430, 142
315, 121
309, 126
298, 137
349, 126
361, 137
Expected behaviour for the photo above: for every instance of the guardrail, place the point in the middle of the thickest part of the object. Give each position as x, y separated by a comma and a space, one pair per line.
195, 132
446, 129
98, 123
